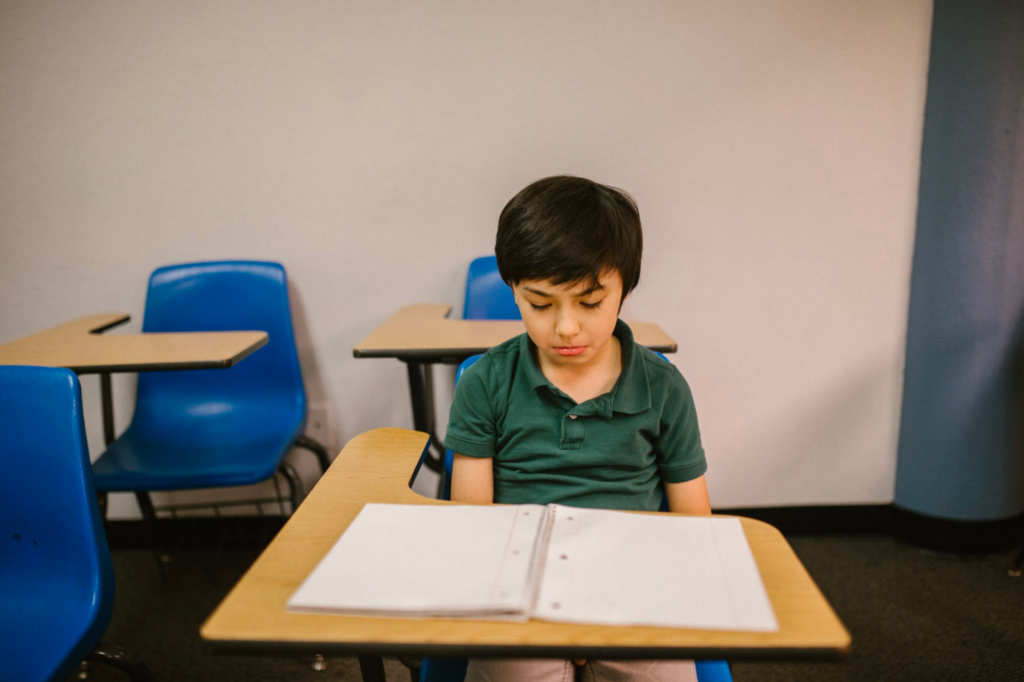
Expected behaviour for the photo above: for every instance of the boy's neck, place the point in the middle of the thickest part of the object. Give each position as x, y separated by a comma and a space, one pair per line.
589, 380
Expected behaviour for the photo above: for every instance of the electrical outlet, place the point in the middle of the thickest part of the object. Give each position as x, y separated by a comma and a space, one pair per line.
318, 424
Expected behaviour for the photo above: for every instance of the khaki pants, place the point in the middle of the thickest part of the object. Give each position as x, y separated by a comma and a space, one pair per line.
559, 670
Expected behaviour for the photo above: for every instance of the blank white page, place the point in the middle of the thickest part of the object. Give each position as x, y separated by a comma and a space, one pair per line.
615, 568
416, 560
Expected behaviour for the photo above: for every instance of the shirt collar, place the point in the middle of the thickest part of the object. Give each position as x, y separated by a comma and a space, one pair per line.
632, 391
529, 363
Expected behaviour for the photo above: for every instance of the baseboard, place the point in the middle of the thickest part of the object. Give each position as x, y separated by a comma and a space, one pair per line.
885, 519
860, 519
199, 532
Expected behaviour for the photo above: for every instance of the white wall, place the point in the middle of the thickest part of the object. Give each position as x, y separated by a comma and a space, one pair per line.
773, 148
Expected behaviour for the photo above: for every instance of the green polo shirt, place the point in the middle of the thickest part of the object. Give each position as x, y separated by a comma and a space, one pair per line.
609, 452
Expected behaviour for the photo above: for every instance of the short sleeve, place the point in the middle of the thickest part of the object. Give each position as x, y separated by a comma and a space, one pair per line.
472, 427
680, 453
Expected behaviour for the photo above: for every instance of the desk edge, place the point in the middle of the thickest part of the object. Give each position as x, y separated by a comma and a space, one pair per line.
234, 646
171, 366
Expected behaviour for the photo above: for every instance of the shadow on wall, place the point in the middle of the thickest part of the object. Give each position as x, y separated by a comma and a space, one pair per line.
316, 391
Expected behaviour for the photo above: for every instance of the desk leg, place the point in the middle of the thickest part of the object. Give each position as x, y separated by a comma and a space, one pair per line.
107, 403
372, 668
421, 391
107, 397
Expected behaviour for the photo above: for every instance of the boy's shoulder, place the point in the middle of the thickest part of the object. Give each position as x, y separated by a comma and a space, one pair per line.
661, 373
654, 362
498, 363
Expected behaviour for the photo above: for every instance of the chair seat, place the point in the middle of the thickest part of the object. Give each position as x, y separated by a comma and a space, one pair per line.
133, 462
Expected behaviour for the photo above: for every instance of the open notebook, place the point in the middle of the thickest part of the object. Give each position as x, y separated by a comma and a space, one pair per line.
553, 563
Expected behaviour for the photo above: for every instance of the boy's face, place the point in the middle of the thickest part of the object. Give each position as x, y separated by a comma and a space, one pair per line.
570, 325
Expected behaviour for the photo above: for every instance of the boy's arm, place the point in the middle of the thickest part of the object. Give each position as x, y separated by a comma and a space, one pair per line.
688, 497
472, 479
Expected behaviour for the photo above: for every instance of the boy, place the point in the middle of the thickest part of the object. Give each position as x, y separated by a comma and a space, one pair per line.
573, 411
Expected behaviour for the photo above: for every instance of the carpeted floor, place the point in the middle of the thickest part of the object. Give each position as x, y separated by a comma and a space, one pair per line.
914, 615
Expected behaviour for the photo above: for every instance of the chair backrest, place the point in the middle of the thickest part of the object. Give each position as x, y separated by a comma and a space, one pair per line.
265, 388
487, 295
52, 548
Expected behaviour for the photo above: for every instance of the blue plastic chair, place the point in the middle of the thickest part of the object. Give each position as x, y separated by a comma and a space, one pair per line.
212, 428
454, 670
487, 295
56, 579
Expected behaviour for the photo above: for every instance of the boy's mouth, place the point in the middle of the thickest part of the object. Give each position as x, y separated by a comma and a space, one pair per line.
569, 350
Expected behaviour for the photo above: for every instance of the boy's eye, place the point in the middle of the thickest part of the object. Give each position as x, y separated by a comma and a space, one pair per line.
540, 307
592, 306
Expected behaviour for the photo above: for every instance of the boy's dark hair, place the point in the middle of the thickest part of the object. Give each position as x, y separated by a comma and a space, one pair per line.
568, 230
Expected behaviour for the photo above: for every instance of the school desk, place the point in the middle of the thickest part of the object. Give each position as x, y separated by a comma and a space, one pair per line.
81, 346
422, 335
376, 467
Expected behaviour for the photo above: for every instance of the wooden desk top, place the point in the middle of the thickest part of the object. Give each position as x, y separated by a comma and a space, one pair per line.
79, 346
376, 467
425, 332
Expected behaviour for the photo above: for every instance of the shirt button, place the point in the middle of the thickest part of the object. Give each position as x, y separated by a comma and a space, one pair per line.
572, 416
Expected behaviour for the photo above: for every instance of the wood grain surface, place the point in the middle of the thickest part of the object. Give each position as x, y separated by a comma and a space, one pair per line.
376, 467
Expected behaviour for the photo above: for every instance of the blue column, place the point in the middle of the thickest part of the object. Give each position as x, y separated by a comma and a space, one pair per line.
961, 446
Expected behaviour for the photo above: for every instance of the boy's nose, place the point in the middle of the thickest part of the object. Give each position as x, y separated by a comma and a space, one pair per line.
568, 326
